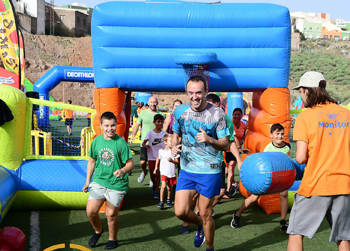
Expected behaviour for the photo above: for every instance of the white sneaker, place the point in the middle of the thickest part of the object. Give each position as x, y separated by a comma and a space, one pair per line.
141, 178
150, 183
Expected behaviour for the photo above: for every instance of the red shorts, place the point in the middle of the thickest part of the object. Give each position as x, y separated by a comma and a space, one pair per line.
171, 181
152, 164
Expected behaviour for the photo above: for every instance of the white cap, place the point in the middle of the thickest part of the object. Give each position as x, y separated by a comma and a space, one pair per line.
310, 79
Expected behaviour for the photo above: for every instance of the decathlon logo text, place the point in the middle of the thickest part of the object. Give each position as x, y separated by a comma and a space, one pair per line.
77, 74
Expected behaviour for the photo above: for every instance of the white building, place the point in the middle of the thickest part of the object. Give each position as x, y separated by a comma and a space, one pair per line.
33, 12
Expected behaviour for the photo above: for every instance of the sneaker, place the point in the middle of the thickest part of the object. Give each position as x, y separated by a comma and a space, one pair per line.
161, 205
233, 189
111, 245
235, 221
199, 239
156, 196
284, 225
226, 195
142, 177
94, 239
185, 230
168, 203
150, 183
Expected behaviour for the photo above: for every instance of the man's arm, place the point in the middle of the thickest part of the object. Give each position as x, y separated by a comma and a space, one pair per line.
221, 144
235, 152
134, 131
129, 166
166, 123
90, 170
301, 154
176, 144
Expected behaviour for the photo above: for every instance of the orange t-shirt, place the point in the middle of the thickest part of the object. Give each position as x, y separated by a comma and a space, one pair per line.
326, 129
240, 131
68, 114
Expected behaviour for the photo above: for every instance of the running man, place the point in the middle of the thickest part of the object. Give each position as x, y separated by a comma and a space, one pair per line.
202, 130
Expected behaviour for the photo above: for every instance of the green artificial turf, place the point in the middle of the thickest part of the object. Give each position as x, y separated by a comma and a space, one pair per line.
144, 227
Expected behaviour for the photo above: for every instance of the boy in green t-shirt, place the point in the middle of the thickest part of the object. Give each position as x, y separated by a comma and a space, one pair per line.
277, 145
111, 159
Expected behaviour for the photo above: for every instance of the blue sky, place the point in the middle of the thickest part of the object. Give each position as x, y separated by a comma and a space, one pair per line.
337, 8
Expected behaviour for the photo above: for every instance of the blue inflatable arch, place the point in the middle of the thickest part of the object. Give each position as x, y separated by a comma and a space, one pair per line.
137, 46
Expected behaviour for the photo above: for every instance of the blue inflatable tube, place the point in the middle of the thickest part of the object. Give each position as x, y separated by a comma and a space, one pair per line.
267, 173
52, 175
52, 78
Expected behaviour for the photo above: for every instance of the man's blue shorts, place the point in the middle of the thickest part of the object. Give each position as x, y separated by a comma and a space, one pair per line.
208, 185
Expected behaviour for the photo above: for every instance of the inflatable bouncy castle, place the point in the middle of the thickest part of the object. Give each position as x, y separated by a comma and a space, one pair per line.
155, 47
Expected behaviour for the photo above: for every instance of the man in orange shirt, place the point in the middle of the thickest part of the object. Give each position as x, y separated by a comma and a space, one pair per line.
69, 115
322, 132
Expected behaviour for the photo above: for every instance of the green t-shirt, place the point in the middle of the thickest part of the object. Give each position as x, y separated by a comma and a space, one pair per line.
272, 148
146, 119
110, 156
231, 130
134, 111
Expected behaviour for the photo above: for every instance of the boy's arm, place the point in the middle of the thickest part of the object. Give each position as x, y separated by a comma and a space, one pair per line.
74, 116
129, 166
175, 161
157, 163
235, 152
90, 170
144, 144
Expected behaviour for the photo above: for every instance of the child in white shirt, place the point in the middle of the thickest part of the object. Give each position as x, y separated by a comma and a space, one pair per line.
167, 171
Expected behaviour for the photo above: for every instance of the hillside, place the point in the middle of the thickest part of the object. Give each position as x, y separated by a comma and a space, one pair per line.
332, 58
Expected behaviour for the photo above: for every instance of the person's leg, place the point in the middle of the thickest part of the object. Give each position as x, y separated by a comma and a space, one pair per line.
284, 204
230, 174
68, 129
205, 210
92, 208
185, 225
184, 206
219, 197
343, 245
143, 164
169, 190
113, 220
247, 202
295, 243
164, 185
156, 181
151, 166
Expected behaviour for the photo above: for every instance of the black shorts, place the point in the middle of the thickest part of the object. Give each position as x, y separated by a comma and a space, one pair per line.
89, 122
143, 154
69, 122
230, 157
223, 175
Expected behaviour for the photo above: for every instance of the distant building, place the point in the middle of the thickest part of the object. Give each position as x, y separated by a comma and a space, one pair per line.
31, 15
312, 17
75, 18
331, 31
311, 30
345, 30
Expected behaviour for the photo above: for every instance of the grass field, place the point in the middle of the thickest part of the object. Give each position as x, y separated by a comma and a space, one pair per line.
144, 227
